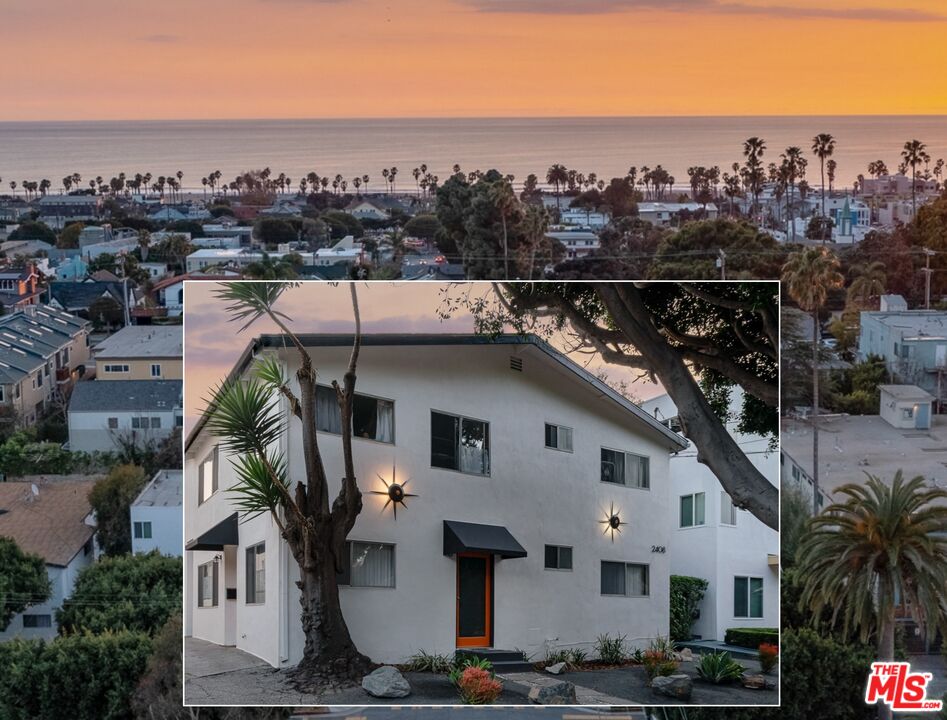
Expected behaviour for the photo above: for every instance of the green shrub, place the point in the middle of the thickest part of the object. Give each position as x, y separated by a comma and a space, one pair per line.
686, 594
572, 657
610, 651
718, 667
751, 637
658, 659
423, 661
82, 677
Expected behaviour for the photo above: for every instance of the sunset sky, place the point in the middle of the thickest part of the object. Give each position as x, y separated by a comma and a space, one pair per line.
114, 59
212, 346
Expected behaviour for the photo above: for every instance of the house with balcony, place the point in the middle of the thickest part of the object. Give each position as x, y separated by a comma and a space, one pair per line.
42, 353
711, 539
140, 352
538, 515
19, 287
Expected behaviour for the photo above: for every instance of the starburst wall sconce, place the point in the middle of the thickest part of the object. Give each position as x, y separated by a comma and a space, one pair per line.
612, 522
395, 492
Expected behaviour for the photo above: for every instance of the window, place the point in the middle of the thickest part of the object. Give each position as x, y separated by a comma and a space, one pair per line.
625, 468
113, 423
39, 379
207, 477
178, 421
141, 423
256, 574
907, 413
372, 418
558, 557
747, 597
368, 565
692, 510
459, 443
629, 579
728, 513
2, 394
37, 621
155, 423
207, 585
155, 370
142, 530
116, 368
558, 437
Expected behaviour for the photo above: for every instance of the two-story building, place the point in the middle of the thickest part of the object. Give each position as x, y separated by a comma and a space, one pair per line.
538, 517
711, 539
140, 352
19, 287
156, 519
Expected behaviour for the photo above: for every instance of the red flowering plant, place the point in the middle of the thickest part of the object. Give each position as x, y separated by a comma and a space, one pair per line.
478, 687
768, 656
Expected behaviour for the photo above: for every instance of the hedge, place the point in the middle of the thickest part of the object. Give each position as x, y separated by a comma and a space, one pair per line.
751, 637
82, 677
686, 594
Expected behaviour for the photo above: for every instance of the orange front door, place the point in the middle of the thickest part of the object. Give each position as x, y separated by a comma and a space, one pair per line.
474, 598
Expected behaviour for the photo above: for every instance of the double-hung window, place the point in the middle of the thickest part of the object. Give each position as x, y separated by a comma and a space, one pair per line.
256, 574
628, 579
372, 418
460, 443
368, 565
747, 597
558, 437
625, 468
207, 585
142, 530
728, 513
692, 510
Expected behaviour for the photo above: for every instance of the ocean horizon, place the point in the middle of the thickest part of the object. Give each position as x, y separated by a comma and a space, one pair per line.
606, 146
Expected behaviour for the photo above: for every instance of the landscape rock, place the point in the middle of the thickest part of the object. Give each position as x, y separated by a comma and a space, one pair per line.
756, 682
386, 682
560, 693
556, 668
678, 687
687, 655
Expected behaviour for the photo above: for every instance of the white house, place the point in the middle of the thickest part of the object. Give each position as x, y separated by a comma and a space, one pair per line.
156, 518
578, 242
734, 552
518, 459
367, 210
52, 519
105, 413
664, 213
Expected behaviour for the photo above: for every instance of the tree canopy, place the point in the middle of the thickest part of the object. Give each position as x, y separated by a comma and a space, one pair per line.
23, 581
111, 498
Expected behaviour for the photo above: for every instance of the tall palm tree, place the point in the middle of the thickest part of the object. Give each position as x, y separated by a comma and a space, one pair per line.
823, 145
753, 149
876, 547
794, 168
809, 275
504, 199
914, 154
869, 280
365, 179
557, 175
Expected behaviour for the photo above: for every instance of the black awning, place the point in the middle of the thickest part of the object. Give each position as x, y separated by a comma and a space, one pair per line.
473, 537
223, 533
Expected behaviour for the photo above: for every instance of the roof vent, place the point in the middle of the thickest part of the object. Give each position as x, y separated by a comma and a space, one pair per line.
516, 363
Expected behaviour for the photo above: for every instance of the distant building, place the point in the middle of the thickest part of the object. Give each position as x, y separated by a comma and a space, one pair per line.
732, 550
19, 287
893, 303
346, 251
664, 214
895, 185
157, 522
105, 414
585, 219
53, 520
577, 242
141, 352
78, 297
61, 208
367, 210
42, 351
906, 407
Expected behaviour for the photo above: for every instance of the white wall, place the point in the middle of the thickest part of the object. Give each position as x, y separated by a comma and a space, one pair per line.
166, 529
89, 431
542, 496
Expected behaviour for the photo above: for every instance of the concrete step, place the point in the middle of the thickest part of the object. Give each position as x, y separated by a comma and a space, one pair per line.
502, 660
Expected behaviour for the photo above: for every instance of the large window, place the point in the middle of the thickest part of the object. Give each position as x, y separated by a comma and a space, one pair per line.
692, 510
629, 579
37, 621
624, 468
558, 437
256, 573
558, 557
368, 565
728, 513
142, 530
459, 443
747, 597
207, 477
116, 368
207, 585
372, 418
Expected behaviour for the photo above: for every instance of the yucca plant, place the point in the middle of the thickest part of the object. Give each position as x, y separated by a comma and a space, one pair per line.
610, 650
423, 661
718, 667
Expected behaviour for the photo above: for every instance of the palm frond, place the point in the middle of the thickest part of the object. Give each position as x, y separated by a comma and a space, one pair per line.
245, 415
249, 301
256, 490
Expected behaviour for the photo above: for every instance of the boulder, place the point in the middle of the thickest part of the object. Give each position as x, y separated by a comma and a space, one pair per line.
560, 693
556, 668
678, 687
756, 682
386, 682
687, 655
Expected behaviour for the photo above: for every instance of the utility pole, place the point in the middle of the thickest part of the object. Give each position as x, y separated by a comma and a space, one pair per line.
722, 264
927, 278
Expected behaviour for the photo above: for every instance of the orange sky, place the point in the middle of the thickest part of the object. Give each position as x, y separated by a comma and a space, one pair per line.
115, 59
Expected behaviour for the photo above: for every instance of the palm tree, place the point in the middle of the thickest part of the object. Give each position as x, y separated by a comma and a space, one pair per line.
809, 275
753, 149
557, 175
13, 187
417, 179
868, 281
823, 145
384, 174
914, 154
365, 179
504, 199
392, 174
878, 546
793, 168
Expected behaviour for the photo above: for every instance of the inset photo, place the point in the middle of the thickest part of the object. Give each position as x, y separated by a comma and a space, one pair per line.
520, 493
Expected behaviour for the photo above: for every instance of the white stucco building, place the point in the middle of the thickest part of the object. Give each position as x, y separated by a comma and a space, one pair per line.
517, 456
734, 552
156, 519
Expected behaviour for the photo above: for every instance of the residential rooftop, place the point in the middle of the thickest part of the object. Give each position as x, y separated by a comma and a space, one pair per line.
30, 336
125, 396
50, 522
852, 445
913, 324
164, 490
142, 341
906, 392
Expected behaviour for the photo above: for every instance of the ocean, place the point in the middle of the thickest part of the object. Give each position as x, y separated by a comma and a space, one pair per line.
605, 146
